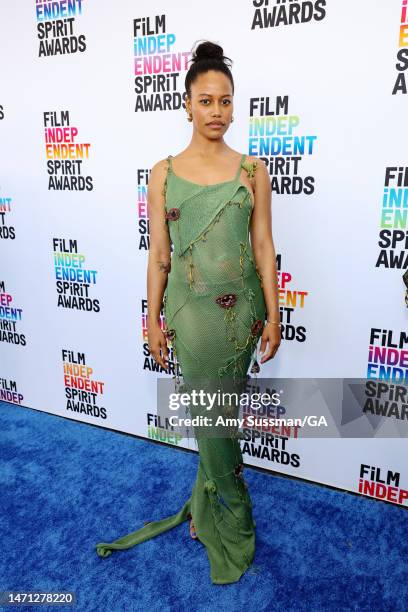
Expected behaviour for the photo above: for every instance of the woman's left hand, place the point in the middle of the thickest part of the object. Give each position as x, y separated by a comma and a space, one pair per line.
271, 335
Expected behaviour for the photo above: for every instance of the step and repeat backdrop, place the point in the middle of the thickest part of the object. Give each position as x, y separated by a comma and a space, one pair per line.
92, 95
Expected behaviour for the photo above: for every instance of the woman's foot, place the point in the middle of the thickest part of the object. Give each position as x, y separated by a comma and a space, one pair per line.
193, 533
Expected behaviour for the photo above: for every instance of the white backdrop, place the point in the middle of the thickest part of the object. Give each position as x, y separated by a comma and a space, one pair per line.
338, 69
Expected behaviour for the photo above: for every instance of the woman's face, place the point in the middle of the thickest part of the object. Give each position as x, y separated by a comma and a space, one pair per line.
211, 104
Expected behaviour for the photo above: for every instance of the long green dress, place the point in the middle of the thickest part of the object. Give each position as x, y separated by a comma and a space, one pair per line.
214, 311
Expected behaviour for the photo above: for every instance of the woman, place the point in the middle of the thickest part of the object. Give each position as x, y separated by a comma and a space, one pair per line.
217, 288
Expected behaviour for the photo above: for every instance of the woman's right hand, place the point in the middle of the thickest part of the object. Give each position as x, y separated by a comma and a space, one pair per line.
157, 341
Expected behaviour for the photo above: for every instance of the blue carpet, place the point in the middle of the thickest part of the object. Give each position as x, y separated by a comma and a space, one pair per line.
66, 486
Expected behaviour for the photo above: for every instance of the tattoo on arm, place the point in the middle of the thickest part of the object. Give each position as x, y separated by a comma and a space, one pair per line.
164, 266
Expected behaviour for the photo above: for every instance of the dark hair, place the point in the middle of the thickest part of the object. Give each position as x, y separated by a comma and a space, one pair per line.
208, 56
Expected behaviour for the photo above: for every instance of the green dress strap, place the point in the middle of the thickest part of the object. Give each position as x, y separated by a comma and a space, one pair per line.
241, 165
250, 167
169, 169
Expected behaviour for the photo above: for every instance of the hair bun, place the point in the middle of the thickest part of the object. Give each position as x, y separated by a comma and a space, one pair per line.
205, 57
208, 50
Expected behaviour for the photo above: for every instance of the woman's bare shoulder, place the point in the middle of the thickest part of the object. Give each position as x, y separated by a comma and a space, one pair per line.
157, 180
252, 159
160, 166
259, 170
158, 173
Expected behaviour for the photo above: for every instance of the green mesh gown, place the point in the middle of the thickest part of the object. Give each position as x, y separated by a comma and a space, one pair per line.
214, 311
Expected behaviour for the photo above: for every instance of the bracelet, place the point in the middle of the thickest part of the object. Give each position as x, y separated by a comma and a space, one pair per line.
274, 322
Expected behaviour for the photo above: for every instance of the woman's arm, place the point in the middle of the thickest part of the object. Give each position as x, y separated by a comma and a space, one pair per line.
265, 258
159, 261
